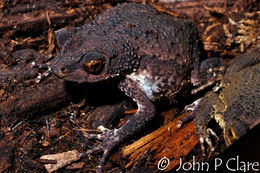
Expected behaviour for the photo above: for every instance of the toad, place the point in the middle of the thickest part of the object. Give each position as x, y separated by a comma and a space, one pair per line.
234, 104
152, 55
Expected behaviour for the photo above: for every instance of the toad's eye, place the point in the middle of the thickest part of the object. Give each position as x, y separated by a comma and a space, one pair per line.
94, 66
93, 62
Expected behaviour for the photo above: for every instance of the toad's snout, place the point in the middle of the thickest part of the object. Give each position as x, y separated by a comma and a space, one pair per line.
60, 72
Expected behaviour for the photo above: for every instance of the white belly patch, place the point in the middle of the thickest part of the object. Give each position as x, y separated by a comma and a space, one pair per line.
147, 83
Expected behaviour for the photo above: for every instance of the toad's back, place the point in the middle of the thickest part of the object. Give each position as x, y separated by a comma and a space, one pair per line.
152, 32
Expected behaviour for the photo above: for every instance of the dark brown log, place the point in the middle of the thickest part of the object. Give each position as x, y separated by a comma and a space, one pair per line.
21, 96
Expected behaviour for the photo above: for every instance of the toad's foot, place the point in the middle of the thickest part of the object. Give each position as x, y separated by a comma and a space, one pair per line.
203, 132
204, 138
190, 107
112, 138
210, 71
105, 133
109, 140
210, 106
43, 75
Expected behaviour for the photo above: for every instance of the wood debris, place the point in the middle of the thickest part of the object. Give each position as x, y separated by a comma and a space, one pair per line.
168, 141
62, 159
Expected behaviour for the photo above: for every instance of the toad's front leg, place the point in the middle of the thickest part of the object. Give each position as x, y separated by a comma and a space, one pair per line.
112, 138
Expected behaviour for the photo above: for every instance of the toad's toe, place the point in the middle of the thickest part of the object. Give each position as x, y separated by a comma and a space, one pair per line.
205, 140
105, 133
190, 107
109, 140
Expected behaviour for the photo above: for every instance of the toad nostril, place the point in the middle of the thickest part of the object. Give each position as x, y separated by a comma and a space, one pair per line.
63, 71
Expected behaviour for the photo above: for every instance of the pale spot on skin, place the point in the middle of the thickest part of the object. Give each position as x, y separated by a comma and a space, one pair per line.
102, 128
201, 139
145, 82
148, 83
